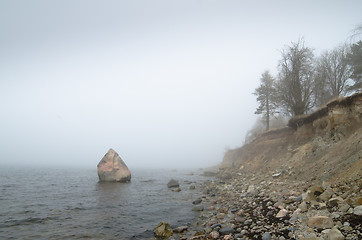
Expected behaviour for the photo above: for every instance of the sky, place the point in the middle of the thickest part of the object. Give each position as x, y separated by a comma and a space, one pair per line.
164, 83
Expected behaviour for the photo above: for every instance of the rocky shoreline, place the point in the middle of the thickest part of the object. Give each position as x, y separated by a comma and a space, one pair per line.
302, 181
242, 206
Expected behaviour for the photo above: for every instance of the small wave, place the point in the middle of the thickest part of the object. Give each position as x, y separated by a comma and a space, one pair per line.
144, 235
75, 208
26, 221
148, 181
27, 212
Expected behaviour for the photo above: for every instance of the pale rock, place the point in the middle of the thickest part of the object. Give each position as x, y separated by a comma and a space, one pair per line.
180, 229
347, 228
251, 188
343, 207
309, 196
214, 235
228, 237
320, 222
112, 168
295, 215
335, 234
322, 205
358, 210
326, 195
282, 213
275, 175
335, 215
303, 206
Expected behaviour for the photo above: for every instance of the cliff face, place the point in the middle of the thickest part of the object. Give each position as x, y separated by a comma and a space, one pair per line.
322, 146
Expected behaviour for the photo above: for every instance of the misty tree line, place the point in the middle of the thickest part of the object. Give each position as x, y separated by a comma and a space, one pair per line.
305, 81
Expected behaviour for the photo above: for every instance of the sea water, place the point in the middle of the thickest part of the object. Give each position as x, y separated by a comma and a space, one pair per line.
61, 203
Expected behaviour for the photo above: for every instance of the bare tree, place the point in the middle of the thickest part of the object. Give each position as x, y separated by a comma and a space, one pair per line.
334, 70
295, 78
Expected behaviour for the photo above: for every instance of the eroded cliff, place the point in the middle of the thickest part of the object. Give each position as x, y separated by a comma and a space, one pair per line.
325, 145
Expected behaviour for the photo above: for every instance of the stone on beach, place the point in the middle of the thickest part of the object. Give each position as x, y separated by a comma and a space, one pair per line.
320, 222
112, 168
163, 230
282, 213
181, 229
358, 210
214, 235
266, 236
173, 184
176, 189
335, 234
226, 230
197, 201
198, 208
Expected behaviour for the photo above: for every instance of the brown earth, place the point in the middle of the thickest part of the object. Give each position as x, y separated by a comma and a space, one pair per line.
325, 145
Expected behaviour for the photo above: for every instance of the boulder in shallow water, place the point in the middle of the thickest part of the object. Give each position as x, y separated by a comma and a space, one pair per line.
112, 168
173, 184
163, 230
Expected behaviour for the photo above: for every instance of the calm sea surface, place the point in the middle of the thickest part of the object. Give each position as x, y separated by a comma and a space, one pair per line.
50, 203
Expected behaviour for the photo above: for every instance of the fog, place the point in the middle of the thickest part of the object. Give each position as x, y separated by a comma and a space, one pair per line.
164, 83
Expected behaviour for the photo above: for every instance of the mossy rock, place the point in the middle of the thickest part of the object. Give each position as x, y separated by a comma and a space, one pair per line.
163, 230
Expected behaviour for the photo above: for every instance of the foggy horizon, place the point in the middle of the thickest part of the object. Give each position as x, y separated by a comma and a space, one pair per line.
165, 84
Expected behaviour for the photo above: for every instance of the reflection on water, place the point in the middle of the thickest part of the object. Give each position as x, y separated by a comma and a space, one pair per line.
111, 193
72, 204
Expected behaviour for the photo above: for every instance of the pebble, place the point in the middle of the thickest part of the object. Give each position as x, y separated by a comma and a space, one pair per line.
266, 236
198, 208
226, 230
282, 213
217, 225
214, 235
320, 222
197, 201
180, 229
358, 210
335, 234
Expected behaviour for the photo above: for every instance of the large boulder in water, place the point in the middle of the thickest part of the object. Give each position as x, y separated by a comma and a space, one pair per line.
112, 168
